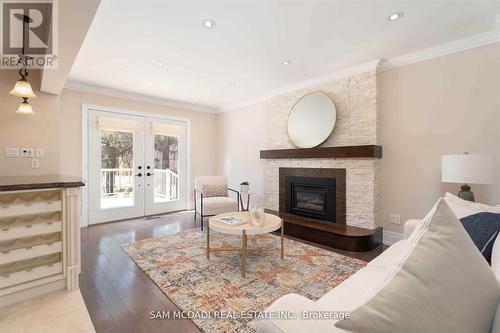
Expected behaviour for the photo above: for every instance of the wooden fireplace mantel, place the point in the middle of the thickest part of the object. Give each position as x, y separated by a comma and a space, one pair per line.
367, 151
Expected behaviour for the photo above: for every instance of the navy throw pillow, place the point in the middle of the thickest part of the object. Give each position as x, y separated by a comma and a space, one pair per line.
483, 228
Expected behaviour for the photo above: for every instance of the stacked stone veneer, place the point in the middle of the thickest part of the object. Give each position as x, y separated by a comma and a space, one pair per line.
355, 99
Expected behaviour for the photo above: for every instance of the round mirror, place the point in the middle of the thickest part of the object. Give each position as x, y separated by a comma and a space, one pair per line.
311, 120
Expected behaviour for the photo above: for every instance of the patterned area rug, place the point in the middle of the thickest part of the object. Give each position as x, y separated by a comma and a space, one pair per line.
178, 265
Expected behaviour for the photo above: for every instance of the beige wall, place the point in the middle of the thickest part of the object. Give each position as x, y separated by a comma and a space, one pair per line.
446, 105
202, 130
56, 127
240, 137
441, 106
39, 130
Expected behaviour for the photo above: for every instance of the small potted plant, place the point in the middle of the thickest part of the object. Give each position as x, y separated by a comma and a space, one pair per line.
245, 187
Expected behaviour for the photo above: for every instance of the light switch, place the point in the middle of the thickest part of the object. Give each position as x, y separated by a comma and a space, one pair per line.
35, 163
11, 152
27, 152
40, 152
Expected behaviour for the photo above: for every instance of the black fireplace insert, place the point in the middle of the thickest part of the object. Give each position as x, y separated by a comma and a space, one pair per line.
311, 197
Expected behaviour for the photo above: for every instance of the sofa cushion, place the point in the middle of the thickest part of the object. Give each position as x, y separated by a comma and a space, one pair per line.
391, 254
217, 205
481, 221
295, 304
495, 259
442, 284
344, 295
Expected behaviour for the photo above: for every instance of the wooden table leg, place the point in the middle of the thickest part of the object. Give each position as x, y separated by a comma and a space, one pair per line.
208, 240
244, 261
282, 232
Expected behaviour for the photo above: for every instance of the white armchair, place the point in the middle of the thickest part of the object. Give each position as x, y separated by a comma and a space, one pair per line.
211, 197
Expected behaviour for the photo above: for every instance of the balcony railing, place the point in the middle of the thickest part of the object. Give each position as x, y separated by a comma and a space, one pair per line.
166, 185
119, 182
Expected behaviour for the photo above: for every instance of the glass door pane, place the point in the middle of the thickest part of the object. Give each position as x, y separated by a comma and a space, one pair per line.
116, 166
165, 153
166, 168
117, 177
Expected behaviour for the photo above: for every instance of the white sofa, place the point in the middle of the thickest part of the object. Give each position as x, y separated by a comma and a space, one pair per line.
345, 294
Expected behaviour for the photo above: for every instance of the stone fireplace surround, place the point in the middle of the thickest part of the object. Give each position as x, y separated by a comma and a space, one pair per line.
355, 98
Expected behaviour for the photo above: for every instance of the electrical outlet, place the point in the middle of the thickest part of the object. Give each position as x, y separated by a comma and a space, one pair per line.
395, 219
35, 163
27, 152
11, 152
40, 152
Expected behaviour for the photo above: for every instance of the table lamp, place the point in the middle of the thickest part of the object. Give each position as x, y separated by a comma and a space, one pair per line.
467, 169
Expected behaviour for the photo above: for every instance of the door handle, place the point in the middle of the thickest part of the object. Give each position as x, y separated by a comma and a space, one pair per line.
149, 174
139, 174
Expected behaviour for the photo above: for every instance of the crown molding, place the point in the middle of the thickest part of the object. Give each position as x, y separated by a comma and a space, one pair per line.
463, 44
365, 67
100, 90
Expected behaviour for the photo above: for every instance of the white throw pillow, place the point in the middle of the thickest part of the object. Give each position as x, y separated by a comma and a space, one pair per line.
463, 208
441, 284
495, 261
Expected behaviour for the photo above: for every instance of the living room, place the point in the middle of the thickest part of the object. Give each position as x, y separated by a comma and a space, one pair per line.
266, 166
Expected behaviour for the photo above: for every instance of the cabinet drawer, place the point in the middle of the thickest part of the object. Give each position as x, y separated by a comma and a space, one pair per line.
26, 276
30, 230
32, 252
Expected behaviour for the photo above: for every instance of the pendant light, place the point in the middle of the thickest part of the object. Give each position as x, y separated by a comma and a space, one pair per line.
22, 88
25, 107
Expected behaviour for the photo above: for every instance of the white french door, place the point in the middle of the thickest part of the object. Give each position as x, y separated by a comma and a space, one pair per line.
137, 166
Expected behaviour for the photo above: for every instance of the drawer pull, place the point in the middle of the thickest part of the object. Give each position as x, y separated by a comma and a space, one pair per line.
28, 226
6, 229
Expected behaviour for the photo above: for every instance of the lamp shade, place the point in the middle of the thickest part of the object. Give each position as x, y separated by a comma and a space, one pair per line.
25, 108
467, 169
22, 89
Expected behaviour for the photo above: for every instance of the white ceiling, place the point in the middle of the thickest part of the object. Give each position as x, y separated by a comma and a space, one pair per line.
241, 58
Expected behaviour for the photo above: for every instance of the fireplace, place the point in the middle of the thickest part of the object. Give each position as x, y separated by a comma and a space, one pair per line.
315, 193
311, 196
312, 204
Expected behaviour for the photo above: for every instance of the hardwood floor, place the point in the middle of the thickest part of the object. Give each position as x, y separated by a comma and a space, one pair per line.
118, 295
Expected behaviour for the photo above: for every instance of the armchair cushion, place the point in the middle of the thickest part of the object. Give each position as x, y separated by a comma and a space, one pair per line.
214, 190
217, 205
209, 180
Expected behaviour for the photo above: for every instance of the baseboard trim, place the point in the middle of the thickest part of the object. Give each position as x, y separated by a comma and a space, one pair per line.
391, 237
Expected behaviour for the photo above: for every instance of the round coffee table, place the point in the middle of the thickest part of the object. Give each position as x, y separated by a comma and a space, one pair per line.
271, 223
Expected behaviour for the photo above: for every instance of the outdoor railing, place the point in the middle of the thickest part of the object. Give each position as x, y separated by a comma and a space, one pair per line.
115, 181
166, 184
121, 181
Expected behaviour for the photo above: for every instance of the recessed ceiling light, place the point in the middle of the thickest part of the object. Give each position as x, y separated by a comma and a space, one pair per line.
209, 24
160, 63
395, 16
286, 62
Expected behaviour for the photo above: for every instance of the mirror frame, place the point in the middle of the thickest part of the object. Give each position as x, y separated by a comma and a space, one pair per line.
293, 106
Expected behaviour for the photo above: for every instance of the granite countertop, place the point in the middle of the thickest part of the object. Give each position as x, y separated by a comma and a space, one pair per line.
17, 183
